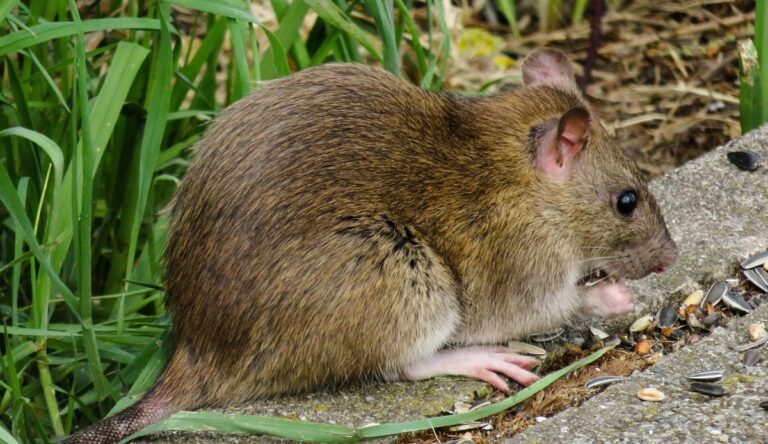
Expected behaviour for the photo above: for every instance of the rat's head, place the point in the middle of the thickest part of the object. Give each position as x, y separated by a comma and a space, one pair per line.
596, 189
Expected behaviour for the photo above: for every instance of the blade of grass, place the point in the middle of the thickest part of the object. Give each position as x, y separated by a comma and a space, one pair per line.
336, 17
279, 58
748, 75
421, 58
220, 7
507, 8
84, 219
6, 6
49, 147
761, 43
381, 10
242, 78
49, 31
273, 63
18, 245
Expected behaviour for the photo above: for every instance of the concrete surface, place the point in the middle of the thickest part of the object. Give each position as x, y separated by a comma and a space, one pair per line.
716, 213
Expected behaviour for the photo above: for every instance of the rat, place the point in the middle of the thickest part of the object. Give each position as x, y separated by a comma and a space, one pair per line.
342, 224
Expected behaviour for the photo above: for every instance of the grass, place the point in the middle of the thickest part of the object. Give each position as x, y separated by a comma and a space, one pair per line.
753, 68
95, 139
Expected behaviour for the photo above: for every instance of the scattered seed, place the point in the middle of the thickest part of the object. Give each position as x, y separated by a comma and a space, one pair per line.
708, 389
471, 426
712, 319
654, 358
598, 333
756, 330
761, 271
751, 357
733, 300
643, 347
612, 341
641, 324
755, 260
650, 394
709, 375
756, 278
715, 293
745, 160
461, 407
602, 380
525, 348
548, 335
694, 322
764, 404
694, 298
667, 316
753, 344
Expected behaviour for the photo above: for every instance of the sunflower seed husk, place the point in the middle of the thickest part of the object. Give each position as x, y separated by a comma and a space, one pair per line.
736, 302
762, 272
708, 389
525, 348
756, 330
461, 407
694, 298
745, 160
694, 322
709, 375
612, 341
641, 324
764, 404
756, 278
650, 394
751, 357
715, 293
753, 344
602, 380
598, 333
470, 426
548, 335
755, 260
667, 316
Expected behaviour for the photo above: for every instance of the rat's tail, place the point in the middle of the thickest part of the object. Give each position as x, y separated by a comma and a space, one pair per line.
167, 396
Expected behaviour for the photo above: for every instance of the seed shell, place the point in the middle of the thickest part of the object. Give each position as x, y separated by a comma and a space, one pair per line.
708, 389
602, 380
525, 348
755, 260
764, 404
641, 324
612, 341
753, 344
715, 293
745, 160
694, 298
667, 316
709, 375
736, 302
598, 333
756, 278
650, 394
471, 426
751, 357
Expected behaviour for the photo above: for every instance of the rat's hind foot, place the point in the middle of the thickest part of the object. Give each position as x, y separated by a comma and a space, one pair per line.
483, 363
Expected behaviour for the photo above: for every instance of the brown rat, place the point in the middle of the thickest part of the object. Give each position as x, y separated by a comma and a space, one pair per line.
342, 224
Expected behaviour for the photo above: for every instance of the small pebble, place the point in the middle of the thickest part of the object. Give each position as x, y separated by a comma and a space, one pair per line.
756, 330
751, 357
650, 394
745, 160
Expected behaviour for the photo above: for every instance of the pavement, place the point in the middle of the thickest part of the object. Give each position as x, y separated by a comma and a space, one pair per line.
717, 215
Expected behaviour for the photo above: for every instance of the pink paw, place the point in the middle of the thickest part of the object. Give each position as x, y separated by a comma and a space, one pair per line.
609, 300
483, 363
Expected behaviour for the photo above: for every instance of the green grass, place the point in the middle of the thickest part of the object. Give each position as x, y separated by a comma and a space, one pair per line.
93, 142
753, 73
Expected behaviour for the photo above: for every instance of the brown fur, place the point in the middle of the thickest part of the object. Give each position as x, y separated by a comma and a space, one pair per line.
340, 224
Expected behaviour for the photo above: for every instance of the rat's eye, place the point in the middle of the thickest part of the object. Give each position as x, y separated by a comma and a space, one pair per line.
626, 203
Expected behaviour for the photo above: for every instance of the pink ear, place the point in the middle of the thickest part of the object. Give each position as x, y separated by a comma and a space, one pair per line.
557, 149
549, 67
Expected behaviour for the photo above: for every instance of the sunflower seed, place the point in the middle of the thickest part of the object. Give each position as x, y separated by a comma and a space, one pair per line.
756, 330
525, 348
641, 324
764, 404
715, 293
602, 380
753, 344
751, 357
694, 298
548, 335
612, 341
755, 260
708, 389
694, 322
650, 394
471, 426
756, 278
598, 333
745, 160
667, 316
733, 300
709, 375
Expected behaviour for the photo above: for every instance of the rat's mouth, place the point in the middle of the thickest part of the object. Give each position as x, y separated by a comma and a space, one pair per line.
595, 277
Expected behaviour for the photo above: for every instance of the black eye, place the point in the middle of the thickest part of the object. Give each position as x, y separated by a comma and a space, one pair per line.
626, 203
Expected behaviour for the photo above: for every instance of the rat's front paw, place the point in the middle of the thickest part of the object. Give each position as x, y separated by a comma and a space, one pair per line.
609, 300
